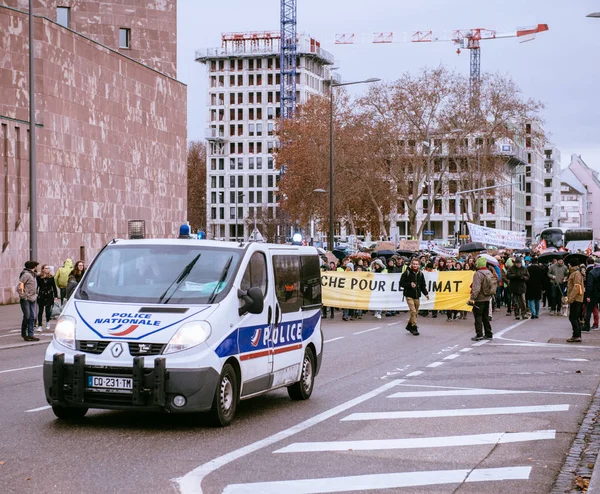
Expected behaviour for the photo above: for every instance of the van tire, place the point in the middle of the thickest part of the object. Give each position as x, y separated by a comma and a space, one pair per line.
69, 413
225, 399
304, 388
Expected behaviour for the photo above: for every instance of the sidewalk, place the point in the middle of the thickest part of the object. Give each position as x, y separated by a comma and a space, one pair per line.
10, 329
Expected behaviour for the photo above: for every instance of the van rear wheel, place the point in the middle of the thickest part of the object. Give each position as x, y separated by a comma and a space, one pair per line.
69, 413
304, 388
225, 399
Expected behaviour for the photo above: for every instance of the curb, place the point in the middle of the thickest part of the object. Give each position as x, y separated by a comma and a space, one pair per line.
584, 450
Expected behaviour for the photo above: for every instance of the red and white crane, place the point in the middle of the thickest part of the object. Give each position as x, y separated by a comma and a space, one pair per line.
468, 39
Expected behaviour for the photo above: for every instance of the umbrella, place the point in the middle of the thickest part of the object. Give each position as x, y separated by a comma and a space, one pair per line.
472, 247
548, 256
490, 259
406, 253
524, 251
340, 254
385, 253
576, 259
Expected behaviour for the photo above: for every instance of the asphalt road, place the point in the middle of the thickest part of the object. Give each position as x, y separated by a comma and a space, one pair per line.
391, 412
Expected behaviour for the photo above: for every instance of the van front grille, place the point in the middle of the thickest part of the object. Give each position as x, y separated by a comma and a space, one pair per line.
95, 347
141, 349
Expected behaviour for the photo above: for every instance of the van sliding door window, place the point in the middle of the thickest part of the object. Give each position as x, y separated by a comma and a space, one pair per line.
311, 281
287, 282
256, 273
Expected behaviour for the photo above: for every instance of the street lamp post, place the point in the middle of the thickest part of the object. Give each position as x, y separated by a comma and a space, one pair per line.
333, 84
457, 205
32, 162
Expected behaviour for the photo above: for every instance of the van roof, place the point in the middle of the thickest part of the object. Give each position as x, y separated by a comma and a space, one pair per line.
216, 244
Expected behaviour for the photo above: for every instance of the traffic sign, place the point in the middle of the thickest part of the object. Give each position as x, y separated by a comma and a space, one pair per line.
428, 232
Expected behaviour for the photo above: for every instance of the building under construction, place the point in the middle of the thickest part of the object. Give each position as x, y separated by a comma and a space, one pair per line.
244, 99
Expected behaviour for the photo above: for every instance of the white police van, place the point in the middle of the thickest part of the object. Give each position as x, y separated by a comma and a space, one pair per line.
187, 326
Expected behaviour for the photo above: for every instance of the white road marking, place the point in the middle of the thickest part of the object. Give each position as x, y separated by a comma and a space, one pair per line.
20, 369
419, 442
451, 357
478, 389
392, 323
435, 364
334, 339
414, 374
381, 481
192, 481
479, 343
542, 345
454, 392
6, 335
506, 330
39, 409
461, 412
468, 349
573, 359
368, 330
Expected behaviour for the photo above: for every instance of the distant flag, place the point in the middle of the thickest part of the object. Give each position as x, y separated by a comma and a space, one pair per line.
541, 246
588, 251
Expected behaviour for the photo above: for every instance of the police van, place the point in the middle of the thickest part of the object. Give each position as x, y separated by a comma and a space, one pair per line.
187, 326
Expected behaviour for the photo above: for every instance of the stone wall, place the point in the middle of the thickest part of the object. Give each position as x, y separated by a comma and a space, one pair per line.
153, 25
111, 146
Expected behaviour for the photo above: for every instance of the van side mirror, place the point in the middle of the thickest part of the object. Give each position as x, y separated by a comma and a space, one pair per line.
253, 301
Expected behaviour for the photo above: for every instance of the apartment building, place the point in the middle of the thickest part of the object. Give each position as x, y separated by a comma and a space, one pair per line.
552, 188
573, 201
590, 180
243, 103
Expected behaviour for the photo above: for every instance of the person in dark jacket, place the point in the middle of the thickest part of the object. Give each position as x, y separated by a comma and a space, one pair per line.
47, 293
589, 266
537, 276
413, 284
27, 292
518, 276
592, 292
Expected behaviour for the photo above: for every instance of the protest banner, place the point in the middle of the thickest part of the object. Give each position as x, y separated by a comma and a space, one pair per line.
500, 238
445, 251
413, 245
448, 290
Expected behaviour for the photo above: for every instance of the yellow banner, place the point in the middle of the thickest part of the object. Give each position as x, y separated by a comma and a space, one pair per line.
448, 290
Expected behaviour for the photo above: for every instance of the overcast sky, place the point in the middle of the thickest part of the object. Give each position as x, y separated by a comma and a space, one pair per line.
560, 67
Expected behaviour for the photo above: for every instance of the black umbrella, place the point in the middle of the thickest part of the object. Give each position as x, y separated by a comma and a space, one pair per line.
340, 254
472, 247
406, 253
548, 256
383, 253
576, 259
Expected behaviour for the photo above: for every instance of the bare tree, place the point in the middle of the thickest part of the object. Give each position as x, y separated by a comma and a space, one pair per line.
196, 189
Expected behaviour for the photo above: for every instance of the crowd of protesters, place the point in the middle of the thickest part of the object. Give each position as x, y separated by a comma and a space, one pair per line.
524, 287
39, 293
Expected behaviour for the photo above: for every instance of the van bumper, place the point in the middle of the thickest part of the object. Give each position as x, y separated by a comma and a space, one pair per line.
153, 388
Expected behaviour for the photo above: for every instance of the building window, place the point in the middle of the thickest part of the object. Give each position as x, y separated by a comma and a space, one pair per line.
124, 37
63, 16
259, 180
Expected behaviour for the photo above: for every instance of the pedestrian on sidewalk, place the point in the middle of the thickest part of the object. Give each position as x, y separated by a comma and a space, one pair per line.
518, 276
46, 295
413, 284
28, 296
62, 278
592, 290
534, 287
482, 289
575, 299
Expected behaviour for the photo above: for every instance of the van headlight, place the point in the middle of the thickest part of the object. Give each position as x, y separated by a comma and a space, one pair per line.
64, 333
189, 335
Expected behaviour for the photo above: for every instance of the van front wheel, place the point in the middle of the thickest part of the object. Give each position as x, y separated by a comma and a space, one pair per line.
304, 388
226, 398
69, 413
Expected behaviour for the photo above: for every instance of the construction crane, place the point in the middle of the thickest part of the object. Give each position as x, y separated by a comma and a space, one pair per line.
468, 39
288, 50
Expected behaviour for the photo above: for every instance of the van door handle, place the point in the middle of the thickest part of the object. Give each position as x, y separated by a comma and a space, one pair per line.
277, 314
269, 315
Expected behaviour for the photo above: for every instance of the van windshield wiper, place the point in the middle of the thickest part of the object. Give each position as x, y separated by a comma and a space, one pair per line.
182, 276
221, 280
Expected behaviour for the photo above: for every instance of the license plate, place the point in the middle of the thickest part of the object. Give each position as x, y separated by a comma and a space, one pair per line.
110, 382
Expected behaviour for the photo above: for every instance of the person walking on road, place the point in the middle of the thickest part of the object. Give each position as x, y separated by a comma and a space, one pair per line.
28, 295
62, 278
575, 299
483, 287
557, 273
592, 291
413, 284
46, 294
534, 287
518, 276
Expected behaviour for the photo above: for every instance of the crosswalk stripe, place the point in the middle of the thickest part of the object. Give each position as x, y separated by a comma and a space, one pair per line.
452, 357
461, 412
435, 364
419, 442
381, 481
454, 392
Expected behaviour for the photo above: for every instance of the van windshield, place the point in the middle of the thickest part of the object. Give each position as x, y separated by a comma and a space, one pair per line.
160, 274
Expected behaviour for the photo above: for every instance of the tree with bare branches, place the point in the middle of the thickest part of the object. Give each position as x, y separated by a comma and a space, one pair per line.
196, 187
